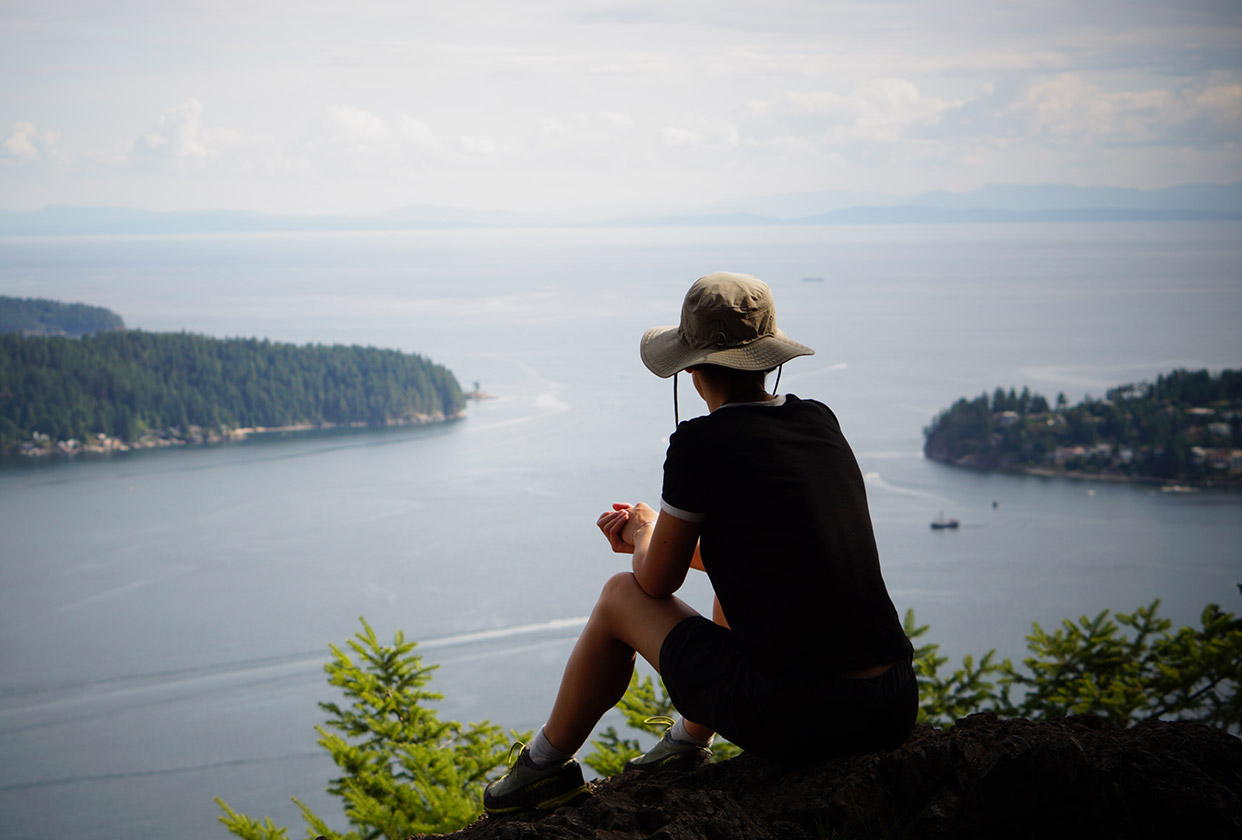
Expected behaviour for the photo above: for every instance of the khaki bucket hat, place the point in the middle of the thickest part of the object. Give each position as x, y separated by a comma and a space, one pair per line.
727, 319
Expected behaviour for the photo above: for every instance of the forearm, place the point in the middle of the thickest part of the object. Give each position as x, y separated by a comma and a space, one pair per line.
642, 544
655, 566
662, 547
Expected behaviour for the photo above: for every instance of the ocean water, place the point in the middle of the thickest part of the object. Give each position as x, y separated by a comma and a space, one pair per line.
164, 616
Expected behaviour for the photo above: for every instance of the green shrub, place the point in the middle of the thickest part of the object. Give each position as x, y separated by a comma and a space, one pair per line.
404, 770
407, 772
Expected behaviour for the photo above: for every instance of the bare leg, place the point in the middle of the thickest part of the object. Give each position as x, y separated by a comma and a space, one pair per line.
625, 620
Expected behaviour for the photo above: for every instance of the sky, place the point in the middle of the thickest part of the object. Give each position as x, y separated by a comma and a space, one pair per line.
360, 107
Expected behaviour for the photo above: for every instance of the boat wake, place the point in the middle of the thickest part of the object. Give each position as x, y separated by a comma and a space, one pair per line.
123, 775
874, 479
17, 702
503, 633
800, 375
33, 715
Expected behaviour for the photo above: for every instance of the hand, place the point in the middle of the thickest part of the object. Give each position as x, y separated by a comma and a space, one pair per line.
620, 524
613, 523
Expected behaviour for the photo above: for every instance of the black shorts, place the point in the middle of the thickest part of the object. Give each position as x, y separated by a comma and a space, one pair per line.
713, 681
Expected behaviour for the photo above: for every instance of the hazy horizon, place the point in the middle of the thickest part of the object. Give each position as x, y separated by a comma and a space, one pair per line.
1004, 203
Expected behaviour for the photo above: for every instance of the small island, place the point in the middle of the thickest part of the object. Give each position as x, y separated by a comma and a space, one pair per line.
1182, 431
113, 390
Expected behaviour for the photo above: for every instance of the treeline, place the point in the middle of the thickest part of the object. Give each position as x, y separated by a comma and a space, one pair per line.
1184, 426
127, 384
37, 316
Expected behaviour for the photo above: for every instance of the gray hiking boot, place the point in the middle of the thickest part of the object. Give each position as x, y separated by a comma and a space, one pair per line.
669, 754
527, 787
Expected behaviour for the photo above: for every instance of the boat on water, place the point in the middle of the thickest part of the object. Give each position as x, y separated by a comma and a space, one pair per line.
941, 524
1178, 488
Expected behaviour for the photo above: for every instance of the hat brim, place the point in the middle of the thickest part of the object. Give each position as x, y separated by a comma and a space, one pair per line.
664, 353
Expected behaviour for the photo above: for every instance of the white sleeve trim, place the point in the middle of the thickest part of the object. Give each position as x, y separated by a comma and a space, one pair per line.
678, 513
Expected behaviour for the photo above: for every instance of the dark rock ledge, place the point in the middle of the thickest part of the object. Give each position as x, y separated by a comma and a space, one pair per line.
983, 778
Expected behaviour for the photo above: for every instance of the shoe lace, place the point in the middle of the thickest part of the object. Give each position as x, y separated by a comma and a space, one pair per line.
517, 746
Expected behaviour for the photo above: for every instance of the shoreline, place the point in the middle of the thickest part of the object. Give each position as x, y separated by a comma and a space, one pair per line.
101, 445
1168, 485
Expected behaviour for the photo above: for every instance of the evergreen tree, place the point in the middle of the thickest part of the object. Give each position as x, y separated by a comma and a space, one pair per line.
404, 770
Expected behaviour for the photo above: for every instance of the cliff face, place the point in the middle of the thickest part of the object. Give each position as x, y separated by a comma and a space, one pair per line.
983, 778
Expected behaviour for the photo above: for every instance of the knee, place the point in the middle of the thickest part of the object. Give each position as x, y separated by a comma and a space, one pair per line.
619, 596
618, 601
619, 589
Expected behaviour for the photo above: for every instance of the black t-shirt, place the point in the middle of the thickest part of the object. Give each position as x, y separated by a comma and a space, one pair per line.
786, 535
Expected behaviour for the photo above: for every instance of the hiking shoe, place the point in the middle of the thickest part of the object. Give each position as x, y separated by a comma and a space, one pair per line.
670, 754
526, 786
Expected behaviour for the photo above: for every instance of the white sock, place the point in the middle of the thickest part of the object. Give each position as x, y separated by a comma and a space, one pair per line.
543, 754
679, 733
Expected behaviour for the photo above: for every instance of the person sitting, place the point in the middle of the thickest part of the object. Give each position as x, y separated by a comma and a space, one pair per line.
806, 656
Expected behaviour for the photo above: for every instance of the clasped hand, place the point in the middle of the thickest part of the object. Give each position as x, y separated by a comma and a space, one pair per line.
620, 524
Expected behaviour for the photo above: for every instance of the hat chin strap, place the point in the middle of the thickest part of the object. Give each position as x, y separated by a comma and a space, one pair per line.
676, 415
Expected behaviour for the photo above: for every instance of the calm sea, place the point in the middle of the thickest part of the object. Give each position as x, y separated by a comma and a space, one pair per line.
164, 616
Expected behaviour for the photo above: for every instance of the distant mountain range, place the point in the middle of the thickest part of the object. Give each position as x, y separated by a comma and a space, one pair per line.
992, 203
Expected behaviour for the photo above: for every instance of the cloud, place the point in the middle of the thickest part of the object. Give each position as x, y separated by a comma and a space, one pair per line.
681, 137
356, 128
552, 127
793, 146
180, 139
356, 131
478, 147
340, 141
1068, 109
876, 121
1223, 103
891, 120
708, 135
617, 120
568, 131
26, 144
347, 140
415, 132
879, 110
177, 134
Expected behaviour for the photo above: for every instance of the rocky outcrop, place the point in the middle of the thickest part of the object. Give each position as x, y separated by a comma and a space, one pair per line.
982, 778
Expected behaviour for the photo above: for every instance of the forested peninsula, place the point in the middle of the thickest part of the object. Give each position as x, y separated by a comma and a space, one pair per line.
39, 316
1183, 430
123, 389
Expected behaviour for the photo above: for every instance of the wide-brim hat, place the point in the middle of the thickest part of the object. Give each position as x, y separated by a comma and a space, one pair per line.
727, 319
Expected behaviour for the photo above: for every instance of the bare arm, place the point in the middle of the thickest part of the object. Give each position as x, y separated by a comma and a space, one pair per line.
664, 547
663, 553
